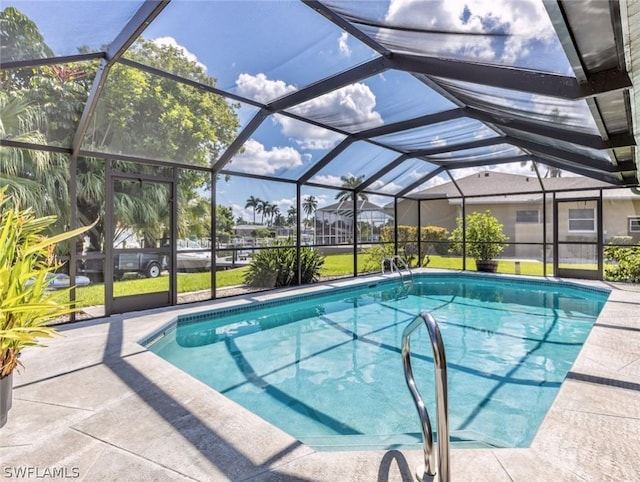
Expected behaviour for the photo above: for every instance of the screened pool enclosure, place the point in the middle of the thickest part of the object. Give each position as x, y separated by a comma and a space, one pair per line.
209, 137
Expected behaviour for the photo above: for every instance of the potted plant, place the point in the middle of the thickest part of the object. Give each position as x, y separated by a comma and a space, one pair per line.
483, 239
26, 305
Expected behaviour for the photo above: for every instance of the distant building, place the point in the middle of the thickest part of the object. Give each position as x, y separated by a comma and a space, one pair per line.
334, 223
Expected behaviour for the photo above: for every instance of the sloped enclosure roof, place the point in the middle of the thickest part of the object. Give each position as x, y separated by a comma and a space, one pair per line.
401, 94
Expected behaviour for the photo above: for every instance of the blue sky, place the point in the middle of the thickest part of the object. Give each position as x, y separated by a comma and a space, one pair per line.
265, 49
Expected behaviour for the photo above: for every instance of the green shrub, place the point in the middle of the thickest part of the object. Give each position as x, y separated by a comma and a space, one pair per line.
263, 233
276, 267
433, 239
623, 263
310, 265
484, 236
374, 255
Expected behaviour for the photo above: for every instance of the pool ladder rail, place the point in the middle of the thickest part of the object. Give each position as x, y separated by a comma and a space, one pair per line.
395, 263
427, 471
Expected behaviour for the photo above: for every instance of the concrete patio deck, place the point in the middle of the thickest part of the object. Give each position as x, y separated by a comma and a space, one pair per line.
95, 405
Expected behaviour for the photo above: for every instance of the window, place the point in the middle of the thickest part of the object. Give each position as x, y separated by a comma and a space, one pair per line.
582, 220
528, 216
634, 225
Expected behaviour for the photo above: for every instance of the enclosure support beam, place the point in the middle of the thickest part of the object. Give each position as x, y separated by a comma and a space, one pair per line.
550, 85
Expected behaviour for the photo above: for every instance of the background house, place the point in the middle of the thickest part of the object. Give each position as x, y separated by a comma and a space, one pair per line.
524, 212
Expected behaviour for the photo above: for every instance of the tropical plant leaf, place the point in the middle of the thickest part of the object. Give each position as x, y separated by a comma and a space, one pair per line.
26, 306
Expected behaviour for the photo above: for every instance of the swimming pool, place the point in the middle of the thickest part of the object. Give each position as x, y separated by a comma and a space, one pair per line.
327, 368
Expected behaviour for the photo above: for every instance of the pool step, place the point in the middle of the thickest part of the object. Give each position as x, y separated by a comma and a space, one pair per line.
460, 439
363, 442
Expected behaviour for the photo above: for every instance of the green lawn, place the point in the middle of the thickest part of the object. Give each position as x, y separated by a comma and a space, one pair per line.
334, 265
94, 294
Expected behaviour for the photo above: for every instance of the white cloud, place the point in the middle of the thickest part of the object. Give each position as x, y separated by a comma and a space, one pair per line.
307, 136
389, 188
239, 211
417, 174
437, 141
379, 200
525, 20
171, 42
351, 105
258, 160
438, 180
343, 46
260, 88
327, 180
284, 204
434, 181
348, 106
565, 111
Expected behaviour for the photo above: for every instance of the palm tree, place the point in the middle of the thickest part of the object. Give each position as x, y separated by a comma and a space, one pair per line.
292, 214
279, 220
40, 179
143, 207
349, 183
253, 202
194, 218
36, 179
263, 209
309, 205
274, 212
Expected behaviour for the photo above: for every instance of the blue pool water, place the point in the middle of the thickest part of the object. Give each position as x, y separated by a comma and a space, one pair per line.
328, 369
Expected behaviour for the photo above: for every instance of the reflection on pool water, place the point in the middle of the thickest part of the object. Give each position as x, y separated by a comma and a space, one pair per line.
328, 369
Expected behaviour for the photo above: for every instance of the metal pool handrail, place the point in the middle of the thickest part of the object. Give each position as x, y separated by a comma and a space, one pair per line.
442, 409
393, 264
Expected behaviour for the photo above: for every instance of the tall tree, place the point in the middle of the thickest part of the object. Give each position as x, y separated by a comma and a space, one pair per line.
196, 218
262, 208
279, 220
138, 114
253, 203
35, 179
20, 38
156, 117
309, 205
292, 215
274, 212
224, 220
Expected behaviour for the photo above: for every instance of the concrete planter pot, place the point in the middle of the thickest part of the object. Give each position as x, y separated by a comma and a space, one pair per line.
490, 266
6, 388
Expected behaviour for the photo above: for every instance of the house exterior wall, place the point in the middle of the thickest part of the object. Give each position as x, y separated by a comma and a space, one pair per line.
439, 212
517, 232
617, 213
617, 210
443, 213
577, 253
